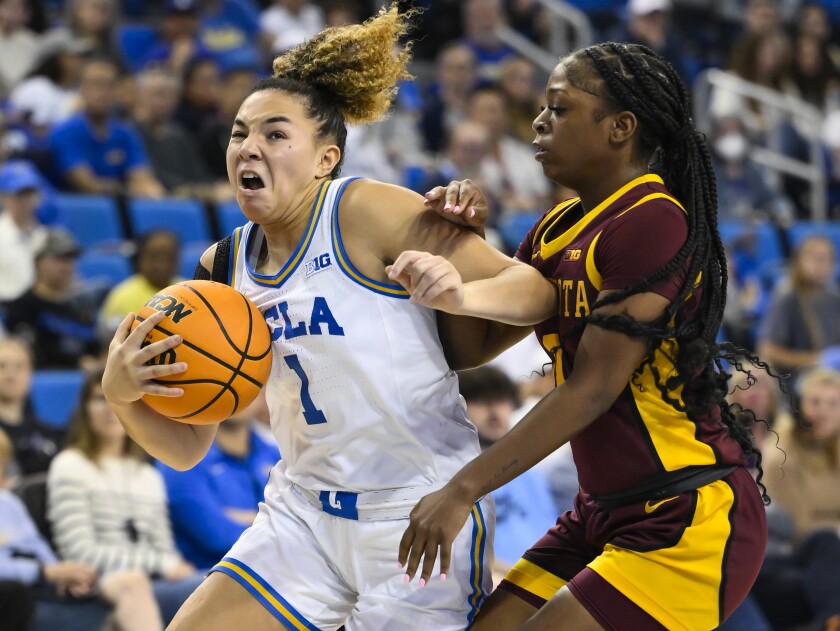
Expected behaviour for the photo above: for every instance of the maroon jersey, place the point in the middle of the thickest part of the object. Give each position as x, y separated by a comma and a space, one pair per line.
626, 238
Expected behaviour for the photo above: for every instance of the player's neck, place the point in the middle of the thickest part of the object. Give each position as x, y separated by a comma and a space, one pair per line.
601, 189
284, 235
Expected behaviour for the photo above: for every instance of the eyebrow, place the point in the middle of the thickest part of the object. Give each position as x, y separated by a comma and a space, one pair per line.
556, 90
267, 121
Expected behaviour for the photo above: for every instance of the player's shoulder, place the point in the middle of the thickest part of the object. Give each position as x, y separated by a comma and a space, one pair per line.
214, 263
364, 196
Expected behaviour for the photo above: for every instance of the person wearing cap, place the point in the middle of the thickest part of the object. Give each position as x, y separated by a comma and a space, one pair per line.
178, 42
648, 22
93, 151
50, 315
21, 234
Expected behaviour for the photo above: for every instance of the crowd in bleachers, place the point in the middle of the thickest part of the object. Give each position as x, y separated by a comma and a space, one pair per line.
114, 122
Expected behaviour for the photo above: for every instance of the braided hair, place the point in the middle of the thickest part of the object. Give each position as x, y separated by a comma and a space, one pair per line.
634, 78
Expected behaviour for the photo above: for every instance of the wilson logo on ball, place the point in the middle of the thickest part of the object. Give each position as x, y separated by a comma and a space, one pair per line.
170, 306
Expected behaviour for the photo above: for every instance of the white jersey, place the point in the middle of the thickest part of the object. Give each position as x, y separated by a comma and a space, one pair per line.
360, 395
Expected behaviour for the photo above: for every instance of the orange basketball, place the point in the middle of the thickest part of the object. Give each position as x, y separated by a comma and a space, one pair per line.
227, 348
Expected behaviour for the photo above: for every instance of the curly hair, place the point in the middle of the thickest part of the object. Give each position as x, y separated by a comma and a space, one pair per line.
633, 77
346, 74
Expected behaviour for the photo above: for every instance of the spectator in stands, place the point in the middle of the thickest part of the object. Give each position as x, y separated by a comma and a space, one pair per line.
156, 263
523, 93
344, 12
236, 84
288, 23
177, 42
199, 106
481, 19
49, 95
174, 154
520, 178
743, 190
230, 31
51, 315
94, 22
35, 443
94, 152
648, 22
18, 45
799, 575
763, 59
812, 21
107, 504
215, 501
21, 234
803, 318
446, 99
524, 505
814, 75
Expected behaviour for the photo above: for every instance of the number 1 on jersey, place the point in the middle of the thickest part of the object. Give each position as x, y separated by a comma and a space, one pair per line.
313, 415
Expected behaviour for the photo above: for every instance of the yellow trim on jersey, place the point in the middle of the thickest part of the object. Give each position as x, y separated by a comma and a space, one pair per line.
292, 264
348, 269
554, 213
288, 616
682, 583
591, 268
672, 433
234, 247
550, 248
478, 592
651, 197
549, 341
535, 580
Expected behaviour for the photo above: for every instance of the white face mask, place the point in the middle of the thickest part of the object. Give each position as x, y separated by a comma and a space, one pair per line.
732, 147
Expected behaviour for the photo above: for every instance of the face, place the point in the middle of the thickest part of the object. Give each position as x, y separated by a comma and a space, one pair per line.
820, 406
488, 108
13, 14
203, 87
159, 95
518, 81
816, 261
272, 158
103, 422
23, 205
492, 418
158, 261
93, 16
569, 120
808, 61
15, 372
814, 22
56, 271
456, 68
99, 88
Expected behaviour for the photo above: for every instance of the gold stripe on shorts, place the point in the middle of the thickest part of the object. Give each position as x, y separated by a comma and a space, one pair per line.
532, 578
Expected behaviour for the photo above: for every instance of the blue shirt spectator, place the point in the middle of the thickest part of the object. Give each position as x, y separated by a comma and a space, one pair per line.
213, 503
228, 31
525, 509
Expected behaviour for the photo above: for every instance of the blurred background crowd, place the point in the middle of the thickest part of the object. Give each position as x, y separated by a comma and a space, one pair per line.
114, 120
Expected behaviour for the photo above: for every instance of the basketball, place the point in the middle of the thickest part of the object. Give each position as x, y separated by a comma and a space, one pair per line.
226, 346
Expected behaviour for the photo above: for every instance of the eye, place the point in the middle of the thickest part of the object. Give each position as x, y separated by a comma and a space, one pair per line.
277, 135
237, 134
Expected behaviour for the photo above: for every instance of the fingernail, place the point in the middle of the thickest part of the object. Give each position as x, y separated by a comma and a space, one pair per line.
442, 576
456, 210
422, 582
399, 565
472, 212
406, 578
447, 206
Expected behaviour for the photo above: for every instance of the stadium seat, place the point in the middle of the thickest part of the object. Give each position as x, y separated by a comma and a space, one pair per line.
135, 41
189, 258
761, 238
55, 393
185, 217
93, 219
514, 228
802, 229
230, 217
106, 268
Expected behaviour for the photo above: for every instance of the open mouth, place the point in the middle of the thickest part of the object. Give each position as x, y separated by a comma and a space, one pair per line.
251, 181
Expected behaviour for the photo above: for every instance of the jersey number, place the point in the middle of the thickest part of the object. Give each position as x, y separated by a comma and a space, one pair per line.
313, 415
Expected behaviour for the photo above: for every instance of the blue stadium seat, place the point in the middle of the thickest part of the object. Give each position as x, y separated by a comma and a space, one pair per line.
514, 228
107, 268
762, 238
802, 229
189, 258
93, 219
185, 217
230, 217
55, 394
134, 42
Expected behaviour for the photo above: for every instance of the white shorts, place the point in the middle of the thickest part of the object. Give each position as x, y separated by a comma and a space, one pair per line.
315, 570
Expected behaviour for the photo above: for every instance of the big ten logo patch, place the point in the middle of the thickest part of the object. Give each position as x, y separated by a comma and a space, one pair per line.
571, 255
318, 264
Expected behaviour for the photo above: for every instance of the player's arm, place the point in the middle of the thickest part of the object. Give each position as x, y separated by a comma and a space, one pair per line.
128, 377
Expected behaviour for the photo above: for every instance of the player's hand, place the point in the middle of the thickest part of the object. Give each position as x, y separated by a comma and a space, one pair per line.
461, 202
128, 376
435, 522
431, 280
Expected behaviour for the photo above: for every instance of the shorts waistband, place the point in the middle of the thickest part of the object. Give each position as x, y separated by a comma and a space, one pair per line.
382, 505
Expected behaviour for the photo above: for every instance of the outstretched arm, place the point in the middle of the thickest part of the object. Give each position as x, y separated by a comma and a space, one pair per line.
604, 362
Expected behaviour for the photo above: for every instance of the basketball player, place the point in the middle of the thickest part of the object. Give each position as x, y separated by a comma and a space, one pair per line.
668, 530
363, 404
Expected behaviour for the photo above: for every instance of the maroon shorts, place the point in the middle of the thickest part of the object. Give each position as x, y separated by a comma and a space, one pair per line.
683, 562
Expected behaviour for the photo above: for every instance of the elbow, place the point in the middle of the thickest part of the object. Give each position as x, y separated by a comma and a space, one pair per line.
182, 462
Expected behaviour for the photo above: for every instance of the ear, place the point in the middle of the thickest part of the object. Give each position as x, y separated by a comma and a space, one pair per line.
623, 127
328, 157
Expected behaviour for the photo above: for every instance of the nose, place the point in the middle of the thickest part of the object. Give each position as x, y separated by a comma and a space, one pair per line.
249, 149
540, 123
